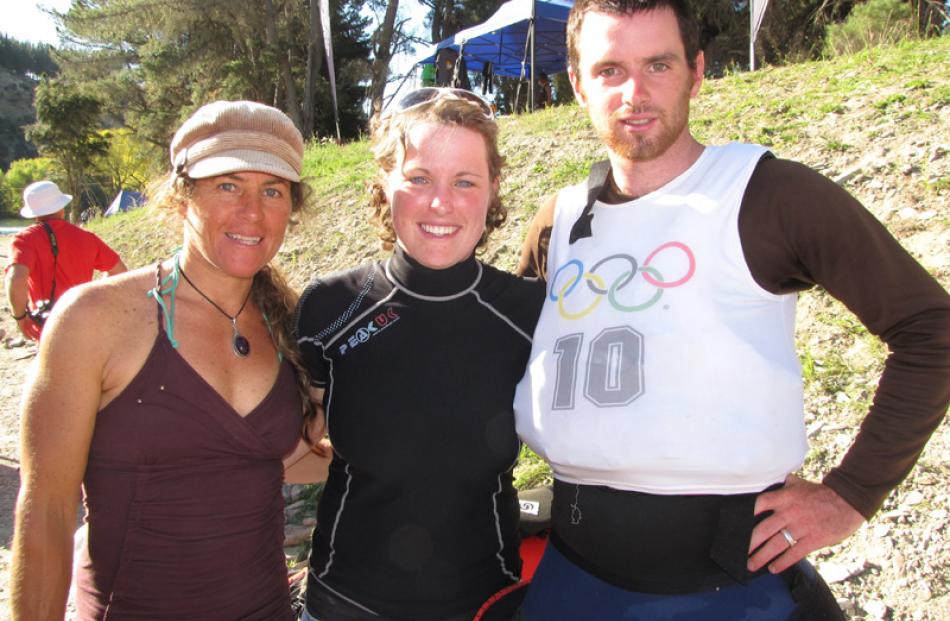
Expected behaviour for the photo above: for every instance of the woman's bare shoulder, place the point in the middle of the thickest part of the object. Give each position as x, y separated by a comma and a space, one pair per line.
110, 303
107, 327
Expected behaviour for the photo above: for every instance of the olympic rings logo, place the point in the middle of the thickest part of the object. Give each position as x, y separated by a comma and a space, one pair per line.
573, 273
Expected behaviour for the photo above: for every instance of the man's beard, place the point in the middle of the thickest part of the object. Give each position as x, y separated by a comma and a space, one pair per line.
642, 148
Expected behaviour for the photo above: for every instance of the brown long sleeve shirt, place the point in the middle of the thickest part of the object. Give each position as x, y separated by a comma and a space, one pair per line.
798, 229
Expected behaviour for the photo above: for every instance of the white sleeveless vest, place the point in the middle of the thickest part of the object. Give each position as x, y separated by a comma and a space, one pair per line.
658, 364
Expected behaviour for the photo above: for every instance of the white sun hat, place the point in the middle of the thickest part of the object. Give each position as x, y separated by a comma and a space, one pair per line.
43, 198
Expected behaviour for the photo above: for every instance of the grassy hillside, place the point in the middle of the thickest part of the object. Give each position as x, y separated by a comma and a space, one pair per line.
881, 115
878, 123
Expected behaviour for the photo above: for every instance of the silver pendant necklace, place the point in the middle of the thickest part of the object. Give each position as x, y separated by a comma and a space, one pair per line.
239, 343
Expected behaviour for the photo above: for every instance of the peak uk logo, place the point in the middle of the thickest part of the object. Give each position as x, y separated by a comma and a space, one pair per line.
627, 285
370, 329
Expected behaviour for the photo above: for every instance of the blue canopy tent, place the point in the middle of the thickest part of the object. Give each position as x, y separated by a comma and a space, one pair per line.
522, 36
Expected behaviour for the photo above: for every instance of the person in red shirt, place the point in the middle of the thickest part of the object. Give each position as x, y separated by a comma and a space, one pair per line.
50, 257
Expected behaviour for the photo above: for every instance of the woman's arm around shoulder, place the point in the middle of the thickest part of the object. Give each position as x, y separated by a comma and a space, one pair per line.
309, 461
63, 392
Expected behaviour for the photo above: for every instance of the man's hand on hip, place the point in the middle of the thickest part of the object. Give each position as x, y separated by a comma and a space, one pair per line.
805, 517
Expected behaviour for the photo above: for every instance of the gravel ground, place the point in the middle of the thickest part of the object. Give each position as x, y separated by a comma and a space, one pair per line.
894, 567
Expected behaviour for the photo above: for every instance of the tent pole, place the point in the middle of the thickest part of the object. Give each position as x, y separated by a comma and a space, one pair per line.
458, 65
521, 78
531, 36
751, 35
514, 109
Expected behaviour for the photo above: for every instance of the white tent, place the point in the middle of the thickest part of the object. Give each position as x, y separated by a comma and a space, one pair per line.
123, 201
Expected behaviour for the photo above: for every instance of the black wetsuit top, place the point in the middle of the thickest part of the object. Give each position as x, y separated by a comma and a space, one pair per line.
418, 517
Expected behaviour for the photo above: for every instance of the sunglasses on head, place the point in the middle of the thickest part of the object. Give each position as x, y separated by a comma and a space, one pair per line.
427, 94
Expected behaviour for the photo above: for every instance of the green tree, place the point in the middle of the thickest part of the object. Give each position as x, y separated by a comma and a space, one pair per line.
383, 47
875, 22
129, 163
21, 174
67, 131
155, 62
13, 144
446, 17
24, 58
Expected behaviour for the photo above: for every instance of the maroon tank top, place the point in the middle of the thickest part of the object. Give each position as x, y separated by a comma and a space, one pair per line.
183, 500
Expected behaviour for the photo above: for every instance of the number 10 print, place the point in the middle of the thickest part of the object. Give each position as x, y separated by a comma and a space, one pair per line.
614, 368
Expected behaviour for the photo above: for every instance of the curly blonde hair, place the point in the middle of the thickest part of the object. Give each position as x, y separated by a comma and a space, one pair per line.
389, 133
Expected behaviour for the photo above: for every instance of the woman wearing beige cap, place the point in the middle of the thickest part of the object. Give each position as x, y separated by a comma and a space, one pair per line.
172, 394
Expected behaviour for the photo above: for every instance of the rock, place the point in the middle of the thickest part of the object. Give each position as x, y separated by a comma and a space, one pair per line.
296, 534
899, 563
928, 214
847, 175
894, 515
876, 608
908, 213
293, 493
845, 604
835, 572
295, 507
879, 164
291, 553
914, 497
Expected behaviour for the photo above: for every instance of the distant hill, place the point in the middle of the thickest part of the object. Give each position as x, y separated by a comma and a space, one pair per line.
16, 110
20, 63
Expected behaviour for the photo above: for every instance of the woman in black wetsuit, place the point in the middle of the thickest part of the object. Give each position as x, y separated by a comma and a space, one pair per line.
415, 360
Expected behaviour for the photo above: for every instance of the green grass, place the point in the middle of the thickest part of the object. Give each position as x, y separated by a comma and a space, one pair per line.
330, 167
778, 105
141, 236
833, 144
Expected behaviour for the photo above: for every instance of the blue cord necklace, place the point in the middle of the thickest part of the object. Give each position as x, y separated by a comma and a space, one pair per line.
239, 343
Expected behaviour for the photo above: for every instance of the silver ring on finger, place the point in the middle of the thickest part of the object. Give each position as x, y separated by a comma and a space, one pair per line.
788, 537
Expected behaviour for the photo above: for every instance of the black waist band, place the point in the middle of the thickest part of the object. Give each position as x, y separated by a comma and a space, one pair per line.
655, 544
